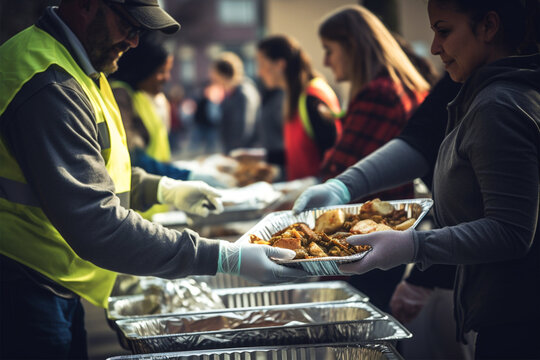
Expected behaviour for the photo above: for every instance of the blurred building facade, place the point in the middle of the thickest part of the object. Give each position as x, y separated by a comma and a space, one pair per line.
212, 26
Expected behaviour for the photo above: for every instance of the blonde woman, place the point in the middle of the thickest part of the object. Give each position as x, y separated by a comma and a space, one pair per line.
385, 87
385, 90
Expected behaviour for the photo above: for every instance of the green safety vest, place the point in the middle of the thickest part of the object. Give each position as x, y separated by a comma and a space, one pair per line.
27, 235
158, 145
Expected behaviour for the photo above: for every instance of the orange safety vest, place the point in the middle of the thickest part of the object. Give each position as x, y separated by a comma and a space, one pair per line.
303, 157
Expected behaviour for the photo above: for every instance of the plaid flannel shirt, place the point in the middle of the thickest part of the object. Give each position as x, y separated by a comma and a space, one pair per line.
375, 116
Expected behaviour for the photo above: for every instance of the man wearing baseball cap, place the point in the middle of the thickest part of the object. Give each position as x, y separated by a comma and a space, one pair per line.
67, 185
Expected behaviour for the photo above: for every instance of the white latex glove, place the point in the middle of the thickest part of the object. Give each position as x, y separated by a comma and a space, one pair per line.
216, 179
252, 261
332, 192
194, 197
389, 249
408, 300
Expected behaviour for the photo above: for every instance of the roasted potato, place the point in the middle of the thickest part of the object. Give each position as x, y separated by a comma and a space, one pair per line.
330, 221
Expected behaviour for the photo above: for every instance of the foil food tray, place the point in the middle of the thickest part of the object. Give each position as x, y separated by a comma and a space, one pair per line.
224, 281
133, 306
250, 202
297, 324
343, 351
133, 285
322, 266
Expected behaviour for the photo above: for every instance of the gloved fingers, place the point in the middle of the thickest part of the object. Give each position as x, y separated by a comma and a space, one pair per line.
300, 203
369, 239
200, 209
398, 310
412, 294
358, 267
284, 273
214, 205
406, 313
209, 191
279, 253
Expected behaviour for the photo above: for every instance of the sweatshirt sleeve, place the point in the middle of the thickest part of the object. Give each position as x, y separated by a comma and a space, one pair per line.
501, 145
50, 130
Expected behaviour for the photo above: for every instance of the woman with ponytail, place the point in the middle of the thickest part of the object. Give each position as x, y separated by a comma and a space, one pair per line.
310, 126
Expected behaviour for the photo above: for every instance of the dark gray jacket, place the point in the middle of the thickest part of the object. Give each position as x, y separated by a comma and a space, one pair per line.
486, 193
50, 129
240, 115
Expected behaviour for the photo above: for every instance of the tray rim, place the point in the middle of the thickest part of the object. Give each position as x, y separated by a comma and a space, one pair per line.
355, 296
383, 317
425, 203
395, 355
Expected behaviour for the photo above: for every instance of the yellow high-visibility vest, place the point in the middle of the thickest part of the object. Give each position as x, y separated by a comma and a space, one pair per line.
158, 145
27, 235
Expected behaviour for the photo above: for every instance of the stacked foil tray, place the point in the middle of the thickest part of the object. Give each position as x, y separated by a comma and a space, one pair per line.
264, 326
346, 351
324, 266
311, 320
137, 305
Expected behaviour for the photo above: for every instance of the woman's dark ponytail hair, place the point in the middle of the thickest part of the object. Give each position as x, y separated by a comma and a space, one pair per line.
298, 69
520, 22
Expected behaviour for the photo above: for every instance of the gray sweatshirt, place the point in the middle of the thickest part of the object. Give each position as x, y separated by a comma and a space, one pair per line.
50, 129
486, 196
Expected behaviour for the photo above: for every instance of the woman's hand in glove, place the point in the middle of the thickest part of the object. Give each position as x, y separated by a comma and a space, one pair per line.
408, 300
253, 262
194, 197
332, 192
389, 249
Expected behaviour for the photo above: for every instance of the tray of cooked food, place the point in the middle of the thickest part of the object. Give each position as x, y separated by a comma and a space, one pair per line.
187, 296
296, 324
341, 351
318, 236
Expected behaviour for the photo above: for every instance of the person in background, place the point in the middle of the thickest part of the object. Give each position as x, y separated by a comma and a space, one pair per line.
207, 118
178, 130
310, 127
486, 177
67, 185
271, 127
138, 88
240, 108
385, 90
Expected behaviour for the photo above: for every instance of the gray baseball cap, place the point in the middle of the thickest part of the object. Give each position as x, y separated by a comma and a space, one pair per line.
149, 14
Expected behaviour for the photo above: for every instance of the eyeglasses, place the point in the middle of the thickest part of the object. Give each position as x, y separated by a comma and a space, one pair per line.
133, 30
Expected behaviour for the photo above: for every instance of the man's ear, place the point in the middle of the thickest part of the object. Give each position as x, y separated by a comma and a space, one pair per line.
490, 26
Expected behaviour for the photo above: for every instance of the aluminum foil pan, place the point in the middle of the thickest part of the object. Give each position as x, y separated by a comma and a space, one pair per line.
239, 204
274, 222
297, 324
197, 300
133, 285
224, 281
346, 351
